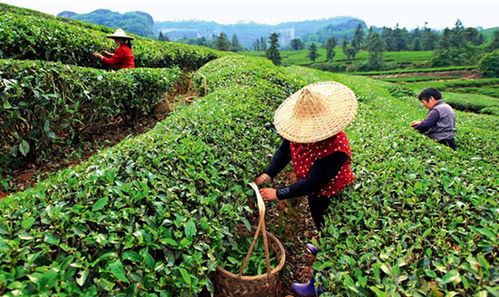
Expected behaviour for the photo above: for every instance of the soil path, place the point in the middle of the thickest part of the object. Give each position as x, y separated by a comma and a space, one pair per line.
463, 74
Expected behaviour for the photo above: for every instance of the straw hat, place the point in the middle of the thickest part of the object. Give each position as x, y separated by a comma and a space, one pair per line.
316, 112
119, 33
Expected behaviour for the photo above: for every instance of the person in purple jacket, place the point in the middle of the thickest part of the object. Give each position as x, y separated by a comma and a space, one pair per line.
440, 121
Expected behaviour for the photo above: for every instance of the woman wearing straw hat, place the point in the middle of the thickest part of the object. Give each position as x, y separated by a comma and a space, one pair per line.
311, 121
123, 55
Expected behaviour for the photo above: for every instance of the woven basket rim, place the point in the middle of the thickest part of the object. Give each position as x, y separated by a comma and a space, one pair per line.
274, 271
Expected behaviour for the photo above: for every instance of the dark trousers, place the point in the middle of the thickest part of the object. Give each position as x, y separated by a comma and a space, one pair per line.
448, 142
318, 208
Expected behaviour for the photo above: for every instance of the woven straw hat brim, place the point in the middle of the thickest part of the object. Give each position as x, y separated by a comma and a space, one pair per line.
316, 112
119, 33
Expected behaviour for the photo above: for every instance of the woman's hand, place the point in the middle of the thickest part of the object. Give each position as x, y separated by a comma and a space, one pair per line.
268, 194
262, 179
98, 56
106, 53
414, 123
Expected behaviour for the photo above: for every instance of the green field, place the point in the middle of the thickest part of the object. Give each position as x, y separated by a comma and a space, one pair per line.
300, 58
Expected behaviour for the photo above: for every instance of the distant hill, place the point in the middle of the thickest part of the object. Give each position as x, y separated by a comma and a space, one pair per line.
248, 32
141, 23
136, 22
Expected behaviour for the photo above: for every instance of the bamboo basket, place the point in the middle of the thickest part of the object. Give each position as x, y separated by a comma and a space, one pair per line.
228, 284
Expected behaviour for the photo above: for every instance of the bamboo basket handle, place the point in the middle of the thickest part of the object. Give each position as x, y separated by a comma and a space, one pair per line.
260, 228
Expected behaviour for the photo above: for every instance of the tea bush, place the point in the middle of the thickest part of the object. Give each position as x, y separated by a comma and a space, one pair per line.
472, 102
45, 102
29, 12
148, 216
28, 37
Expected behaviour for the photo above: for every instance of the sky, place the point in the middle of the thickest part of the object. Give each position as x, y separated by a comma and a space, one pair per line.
410, 14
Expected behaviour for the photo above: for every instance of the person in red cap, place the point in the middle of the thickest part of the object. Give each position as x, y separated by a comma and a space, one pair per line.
123, 55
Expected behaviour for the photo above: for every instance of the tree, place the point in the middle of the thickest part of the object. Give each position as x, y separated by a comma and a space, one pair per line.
428, 39
399, 39
297, 44
263, 44
473, 36
416, 44
452, 48
350, 52
222, 43
162, 37
375, 49
387, 35
256, 45
445, 40
457, 36
494, 44
312, 52
272, 52
236, 46
358, 38
489, 64
330, 44
344, 44
416, 39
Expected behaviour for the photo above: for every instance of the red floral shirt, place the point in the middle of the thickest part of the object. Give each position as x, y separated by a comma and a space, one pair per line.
303, 156
122, 58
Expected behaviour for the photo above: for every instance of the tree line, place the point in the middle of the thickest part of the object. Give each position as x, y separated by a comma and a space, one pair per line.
220, 42
455, 46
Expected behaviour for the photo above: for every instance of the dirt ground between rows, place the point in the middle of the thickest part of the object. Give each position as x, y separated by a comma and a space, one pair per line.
463, 74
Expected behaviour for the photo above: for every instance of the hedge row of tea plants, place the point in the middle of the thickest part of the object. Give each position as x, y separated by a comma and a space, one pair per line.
423, 70
35, 38
29, 12
472, 102
411, 79
492, 91
42, 103
449, 85
421, 219
148, 216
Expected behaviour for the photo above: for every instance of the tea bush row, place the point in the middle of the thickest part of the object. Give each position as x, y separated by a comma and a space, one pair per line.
42, 103
27, 37
34, 13
423, 70
449, 85
421, 219
148, 216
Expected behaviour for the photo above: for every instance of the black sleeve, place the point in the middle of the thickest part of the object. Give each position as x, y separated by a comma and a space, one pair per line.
320, 174
430, 121
280, 159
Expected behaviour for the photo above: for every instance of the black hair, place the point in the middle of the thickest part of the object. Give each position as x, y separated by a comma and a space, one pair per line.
429, 92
